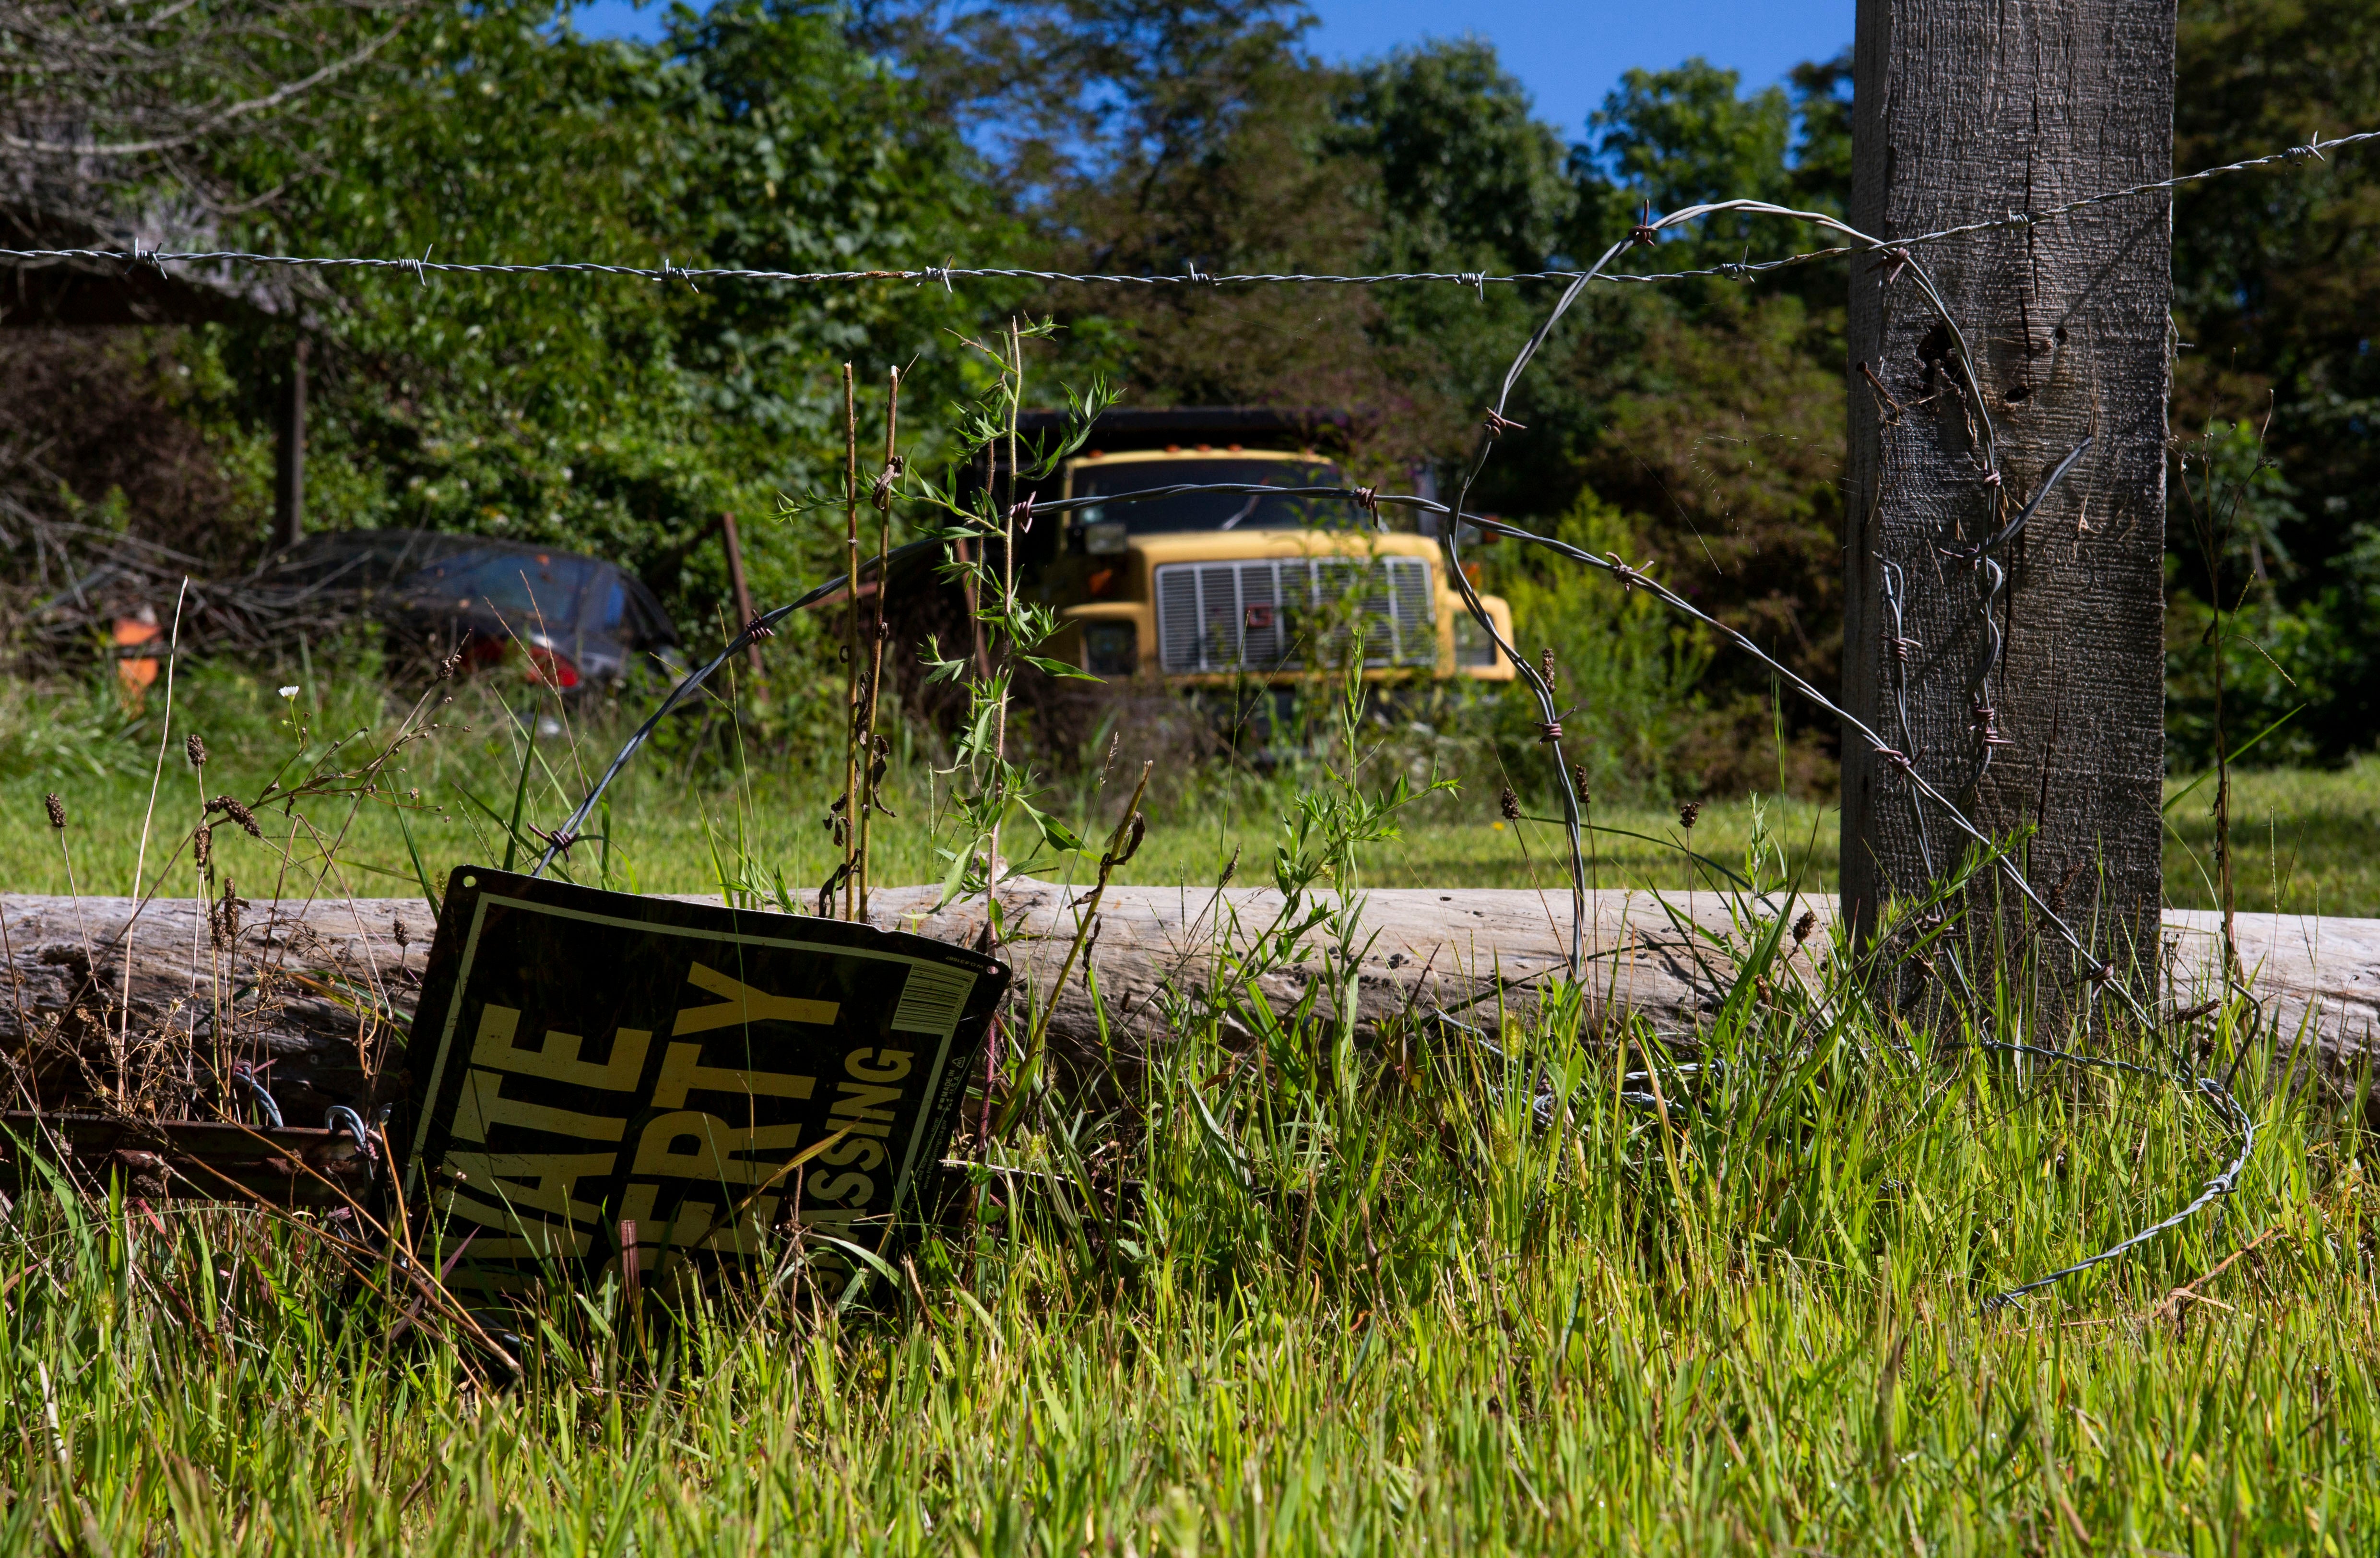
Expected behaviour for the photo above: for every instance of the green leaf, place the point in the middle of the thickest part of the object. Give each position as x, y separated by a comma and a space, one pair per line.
1057, 667
957, 873
2247, 747
420, 871
939, 667
1054, 834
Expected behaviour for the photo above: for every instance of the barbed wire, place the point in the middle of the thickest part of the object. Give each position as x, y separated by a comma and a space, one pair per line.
1899, 259
423, 268
2216, 1190
2102, 975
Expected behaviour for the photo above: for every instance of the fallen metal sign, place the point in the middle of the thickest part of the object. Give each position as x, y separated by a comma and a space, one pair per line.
604, 1082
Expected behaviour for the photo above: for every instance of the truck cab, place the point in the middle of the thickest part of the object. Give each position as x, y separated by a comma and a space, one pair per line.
1268, 587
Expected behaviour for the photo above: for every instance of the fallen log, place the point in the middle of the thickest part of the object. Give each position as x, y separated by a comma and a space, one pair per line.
317, 997
1664, 957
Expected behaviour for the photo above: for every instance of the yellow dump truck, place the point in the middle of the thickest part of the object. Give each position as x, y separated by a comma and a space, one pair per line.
1204, 589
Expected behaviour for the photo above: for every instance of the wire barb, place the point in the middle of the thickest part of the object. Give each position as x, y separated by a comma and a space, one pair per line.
1629, 578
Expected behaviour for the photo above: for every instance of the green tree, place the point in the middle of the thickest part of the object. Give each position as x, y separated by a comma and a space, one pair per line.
609, 414
2276, 282
1466, 176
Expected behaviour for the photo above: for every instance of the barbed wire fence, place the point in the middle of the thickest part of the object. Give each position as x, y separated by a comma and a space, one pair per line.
425, 267
1896, 259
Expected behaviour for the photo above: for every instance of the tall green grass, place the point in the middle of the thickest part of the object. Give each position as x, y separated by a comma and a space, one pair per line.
1451, 1294
1514, 1282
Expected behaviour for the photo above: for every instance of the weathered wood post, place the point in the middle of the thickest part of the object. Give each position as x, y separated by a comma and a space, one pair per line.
2034, 700
289, 454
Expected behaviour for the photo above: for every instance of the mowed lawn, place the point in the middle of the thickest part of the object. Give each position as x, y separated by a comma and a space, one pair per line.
2305, 841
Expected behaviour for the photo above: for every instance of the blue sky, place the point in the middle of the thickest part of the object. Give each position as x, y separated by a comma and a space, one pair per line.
1569, 54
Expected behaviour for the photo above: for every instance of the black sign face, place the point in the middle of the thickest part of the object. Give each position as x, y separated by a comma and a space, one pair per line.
589, 1067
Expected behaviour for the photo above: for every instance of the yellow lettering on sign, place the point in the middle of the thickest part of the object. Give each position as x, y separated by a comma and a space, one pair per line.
483, 1104
744, 1004
663, 1149
749, 1232
851, 1189
661, 1244
852, 1100
557, 1059
854, 1151
889, 1065
529, 1235
534, 1181
682, 1071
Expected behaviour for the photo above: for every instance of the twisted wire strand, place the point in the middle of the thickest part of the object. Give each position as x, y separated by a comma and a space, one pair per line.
423, 268
2216, 1190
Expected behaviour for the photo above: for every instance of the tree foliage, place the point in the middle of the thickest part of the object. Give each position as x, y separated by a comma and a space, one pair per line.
2276, 282
1702, 417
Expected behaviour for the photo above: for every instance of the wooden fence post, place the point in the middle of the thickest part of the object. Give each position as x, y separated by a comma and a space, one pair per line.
289, 454
736, 585
2026, 679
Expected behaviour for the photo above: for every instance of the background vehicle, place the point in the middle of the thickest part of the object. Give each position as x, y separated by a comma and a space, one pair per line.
579, 621
1206, 588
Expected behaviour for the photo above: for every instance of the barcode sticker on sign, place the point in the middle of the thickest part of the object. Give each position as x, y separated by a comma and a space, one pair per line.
933, 999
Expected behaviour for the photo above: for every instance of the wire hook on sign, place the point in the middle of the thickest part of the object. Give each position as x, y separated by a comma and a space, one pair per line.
259, 1092
341, 1118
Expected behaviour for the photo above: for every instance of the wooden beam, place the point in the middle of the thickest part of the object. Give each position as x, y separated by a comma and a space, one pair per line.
743, 612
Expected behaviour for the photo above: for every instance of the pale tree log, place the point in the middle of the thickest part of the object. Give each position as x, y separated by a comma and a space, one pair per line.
323, 991
1967, 110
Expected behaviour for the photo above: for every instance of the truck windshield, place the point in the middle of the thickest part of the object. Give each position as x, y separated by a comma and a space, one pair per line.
1210, 511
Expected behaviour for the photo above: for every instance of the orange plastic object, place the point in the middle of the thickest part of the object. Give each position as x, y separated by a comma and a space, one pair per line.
136, 673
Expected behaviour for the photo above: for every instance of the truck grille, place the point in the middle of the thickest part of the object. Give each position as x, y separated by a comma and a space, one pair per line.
1285, 613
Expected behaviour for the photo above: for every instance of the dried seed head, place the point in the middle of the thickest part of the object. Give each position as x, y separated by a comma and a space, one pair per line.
1547, 663
202, 845
194, 747
1510, 805
224, 915
1132, 835
1803, 926
1690, 812
56, 808
238, 811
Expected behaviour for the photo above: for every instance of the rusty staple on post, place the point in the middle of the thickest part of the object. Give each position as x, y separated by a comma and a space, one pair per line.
1893, 408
